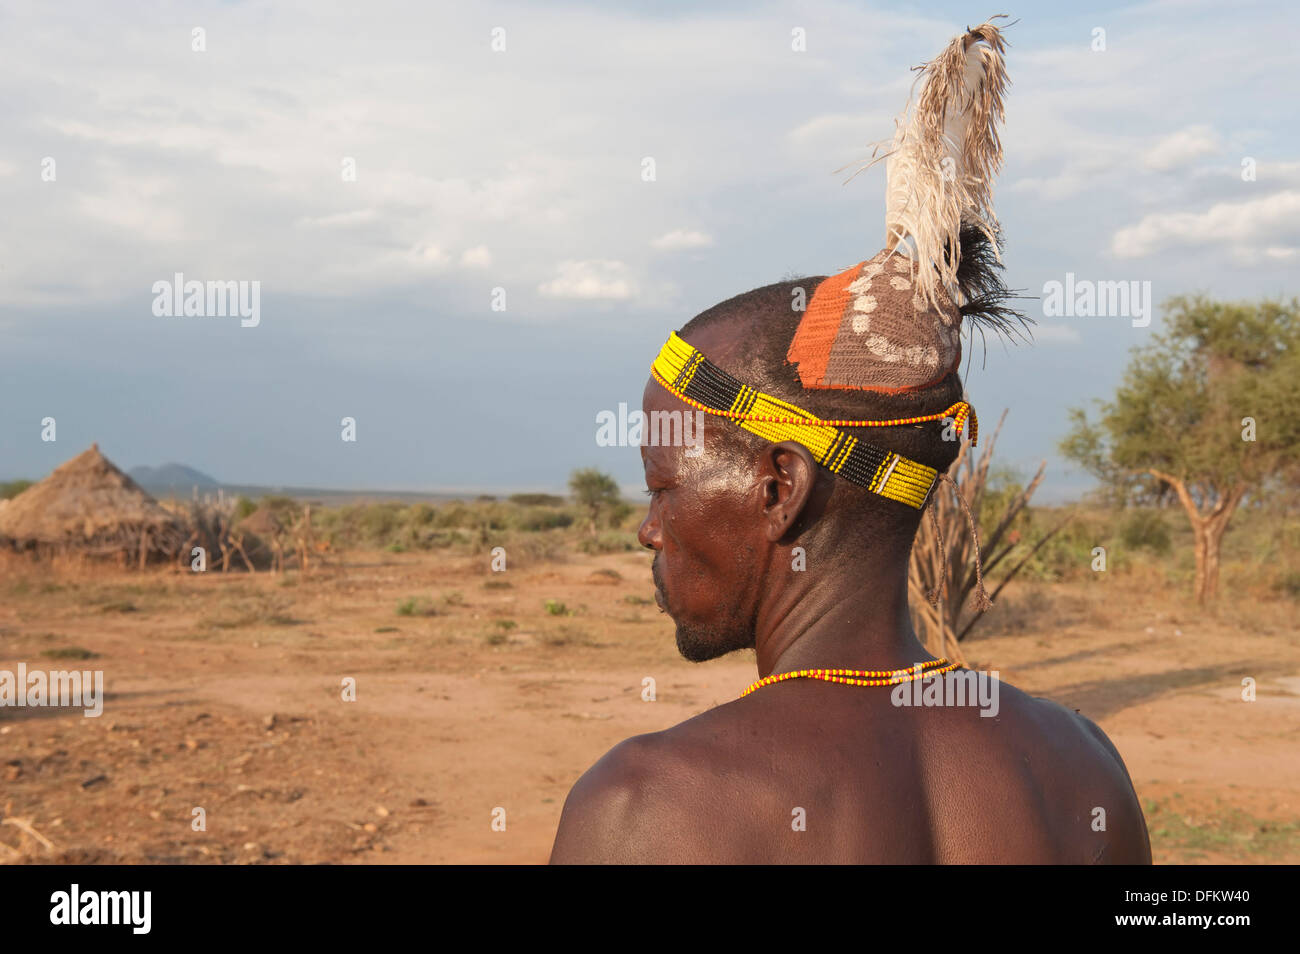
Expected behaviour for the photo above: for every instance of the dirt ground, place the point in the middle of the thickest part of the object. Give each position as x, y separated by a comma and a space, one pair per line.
479, 692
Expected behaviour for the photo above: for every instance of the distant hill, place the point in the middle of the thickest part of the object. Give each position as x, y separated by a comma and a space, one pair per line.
176, 481
176, 476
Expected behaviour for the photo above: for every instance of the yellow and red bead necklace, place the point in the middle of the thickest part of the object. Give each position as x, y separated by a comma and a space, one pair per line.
860, 677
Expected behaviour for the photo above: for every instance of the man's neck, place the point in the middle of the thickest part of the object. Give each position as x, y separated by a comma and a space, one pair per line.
853, 620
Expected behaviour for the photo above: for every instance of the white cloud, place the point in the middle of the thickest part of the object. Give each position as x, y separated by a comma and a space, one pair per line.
1079, 172
594, 279
476, 257
1181, 148
339, 219
843, 126
1242, 227
679, 239
431, 255
1277, 173
156, 177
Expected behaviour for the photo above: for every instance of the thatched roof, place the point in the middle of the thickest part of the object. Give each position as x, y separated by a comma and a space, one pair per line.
88, 504
263, 522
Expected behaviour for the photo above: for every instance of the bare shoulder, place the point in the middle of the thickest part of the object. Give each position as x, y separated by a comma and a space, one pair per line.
1086, 762
628, 807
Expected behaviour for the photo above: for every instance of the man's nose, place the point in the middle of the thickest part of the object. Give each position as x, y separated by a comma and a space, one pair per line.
648, 533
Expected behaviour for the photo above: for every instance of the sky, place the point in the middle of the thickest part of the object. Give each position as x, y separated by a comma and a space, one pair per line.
392, 174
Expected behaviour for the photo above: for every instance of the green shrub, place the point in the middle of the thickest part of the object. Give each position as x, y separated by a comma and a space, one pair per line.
69, 652
1288, 584
537, 500
532, 519
609, 541
13, 488
416, 606
1146, 528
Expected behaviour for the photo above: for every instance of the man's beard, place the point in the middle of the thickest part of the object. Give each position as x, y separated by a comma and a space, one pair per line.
700, 643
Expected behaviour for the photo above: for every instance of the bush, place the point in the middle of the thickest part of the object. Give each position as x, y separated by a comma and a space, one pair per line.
1068, 554
1289, 584
69, 652
416, 607
609, 541
536, 500
285, 508
535, 518
1146, 528
13, 488
548, 546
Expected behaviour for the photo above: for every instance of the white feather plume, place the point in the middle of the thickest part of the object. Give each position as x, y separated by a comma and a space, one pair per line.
944, 156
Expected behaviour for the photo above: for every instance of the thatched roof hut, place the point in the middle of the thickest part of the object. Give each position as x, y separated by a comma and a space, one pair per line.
89, 506
263, 522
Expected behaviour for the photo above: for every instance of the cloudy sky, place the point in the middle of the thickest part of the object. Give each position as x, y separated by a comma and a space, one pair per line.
384, 172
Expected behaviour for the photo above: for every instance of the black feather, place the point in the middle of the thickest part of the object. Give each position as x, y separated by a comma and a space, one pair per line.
987, 298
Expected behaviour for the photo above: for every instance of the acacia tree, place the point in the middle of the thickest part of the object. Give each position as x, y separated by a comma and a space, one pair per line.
1208, 413
597, 494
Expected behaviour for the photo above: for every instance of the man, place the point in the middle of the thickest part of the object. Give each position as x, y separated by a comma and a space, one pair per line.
831, 428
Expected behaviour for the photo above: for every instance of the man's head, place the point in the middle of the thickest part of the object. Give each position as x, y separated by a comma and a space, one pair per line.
724, 523
878, 342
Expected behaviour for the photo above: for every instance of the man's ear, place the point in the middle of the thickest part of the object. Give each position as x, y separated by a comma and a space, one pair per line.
787, 474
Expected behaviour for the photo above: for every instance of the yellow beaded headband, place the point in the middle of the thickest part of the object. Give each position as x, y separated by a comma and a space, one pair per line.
685, 372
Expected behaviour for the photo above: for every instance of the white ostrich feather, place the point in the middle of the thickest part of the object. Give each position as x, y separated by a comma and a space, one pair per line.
944, 156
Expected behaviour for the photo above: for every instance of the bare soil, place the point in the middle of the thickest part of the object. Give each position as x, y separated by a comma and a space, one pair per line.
225, 693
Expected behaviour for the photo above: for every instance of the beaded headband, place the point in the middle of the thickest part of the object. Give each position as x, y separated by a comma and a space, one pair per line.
685, 372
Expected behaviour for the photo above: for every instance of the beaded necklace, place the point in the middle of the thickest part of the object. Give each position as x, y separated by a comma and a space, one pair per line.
860, 677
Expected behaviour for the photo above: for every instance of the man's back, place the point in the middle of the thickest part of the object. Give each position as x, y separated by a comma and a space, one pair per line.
809, 772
